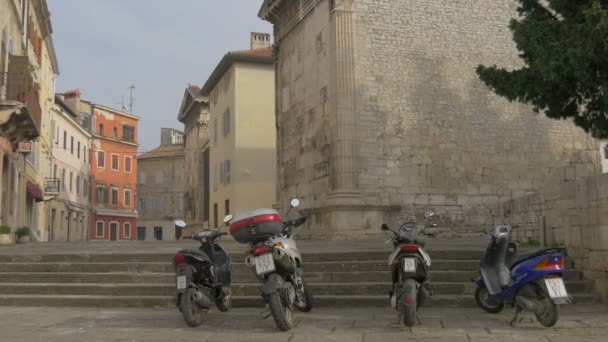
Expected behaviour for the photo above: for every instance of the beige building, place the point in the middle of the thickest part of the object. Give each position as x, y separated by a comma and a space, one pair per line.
194, 114
380, 113
242, 130
161, 188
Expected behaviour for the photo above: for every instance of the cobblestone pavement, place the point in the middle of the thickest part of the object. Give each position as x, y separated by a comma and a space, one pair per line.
578, 323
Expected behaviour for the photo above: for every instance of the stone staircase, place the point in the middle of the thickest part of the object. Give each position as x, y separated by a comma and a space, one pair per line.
343, 279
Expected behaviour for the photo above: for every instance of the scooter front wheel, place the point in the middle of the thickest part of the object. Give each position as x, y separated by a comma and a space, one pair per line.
408, 300
483, 300
281, 312
305, 304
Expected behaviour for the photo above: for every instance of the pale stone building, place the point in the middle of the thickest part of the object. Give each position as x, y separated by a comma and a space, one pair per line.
69, 217
604, 156
161, 188
380, 112
194, 114
243, 134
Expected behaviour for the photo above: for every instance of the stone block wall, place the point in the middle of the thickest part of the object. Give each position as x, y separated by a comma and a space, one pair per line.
572, 214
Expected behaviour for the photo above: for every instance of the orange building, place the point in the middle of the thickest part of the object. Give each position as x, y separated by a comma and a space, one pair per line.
114, 174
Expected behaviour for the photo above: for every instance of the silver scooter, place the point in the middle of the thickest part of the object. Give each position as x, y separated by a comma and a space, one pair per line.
278, 263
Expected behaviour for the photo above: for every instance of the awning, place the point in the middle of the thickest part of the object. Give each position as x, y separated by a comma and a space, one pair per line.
180, 223
35, 190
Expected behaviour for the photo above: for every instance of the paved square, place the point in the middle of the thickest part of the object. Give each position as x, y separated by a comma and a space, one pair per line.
577, 323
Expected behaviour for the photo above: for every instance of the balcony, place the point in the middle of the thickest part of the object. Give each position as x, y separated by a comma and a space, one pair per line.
20, 111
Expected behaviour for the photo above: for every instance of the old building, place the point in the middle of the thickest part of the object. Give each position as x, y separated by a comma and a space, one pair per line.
604, 156
160, 188
69, 218
194, 114
114, 174
28, 67
243, 135
379, 111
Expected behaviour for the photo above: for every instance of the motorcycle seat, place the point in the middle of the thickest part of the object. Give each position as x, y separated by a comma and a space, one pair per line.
521, 257
196, 252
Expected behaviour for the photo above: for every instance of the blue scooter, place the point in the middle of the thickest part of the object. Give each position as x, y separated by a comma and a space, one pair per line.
531, 281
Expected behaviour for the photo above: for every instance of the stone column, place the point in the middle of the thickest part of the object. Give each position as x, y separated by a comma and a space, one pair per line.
344, 155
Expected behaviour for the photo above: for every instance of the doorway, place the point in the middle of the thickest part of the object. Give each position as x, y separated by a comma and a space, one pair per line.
141, 233
5, 185
158, 233
114, 231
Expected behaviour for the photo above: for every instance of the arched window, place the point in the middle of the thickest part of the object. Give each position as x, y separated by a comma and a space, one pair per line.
101, 129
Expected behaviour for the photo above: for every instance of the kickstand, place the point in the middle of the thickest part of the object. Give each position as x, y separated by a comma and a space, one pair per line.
266, 313
514, 320
418, 319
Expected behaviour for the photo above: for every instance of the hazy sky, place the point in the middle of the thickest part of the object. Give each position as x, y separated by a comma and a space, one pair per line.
105, 45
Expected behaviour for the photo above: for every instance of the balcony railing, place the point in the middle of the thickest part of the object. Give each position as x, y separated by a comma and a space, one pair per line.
52, 185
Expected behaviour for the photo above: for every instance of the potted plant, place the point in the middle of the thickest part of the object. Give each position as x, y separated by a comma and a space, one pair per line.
23, 234
6, 237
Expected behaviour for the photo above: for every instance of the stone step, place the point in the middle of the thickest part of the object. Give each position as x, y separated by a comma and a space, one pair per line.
250, 289
246, 277
238, 302
237, 257
166, 267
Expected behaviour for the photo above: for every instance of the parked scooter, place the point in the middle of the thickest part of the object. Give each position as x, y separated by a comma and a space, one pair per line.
531, 282
410, 271
277, 262
203, 277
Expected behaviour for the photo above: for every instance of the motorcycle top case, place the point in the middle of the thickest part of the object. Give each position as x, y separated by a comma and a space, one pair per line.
256, 225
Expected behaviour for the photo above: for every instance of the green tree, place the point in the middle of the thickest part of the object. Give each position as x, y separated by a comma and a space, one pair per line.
564, 47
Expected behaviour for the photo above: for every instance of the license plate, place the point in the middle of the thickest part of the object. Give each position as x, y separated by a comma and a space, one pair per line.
181, 282
556, 287
409, 265
264, 264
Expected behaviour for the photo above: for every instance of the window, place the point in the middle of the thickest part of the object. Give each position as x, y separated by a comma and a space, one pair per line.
226, 122
101, 159
225, 172
216, 177
84, 152
101, 194
100, 229
227, 207
158, 233
78, 150
57, 135
128, 164
215, 132
215, 214
158, 203
63, 179
606, 151
72, 145
180, 202
65, 140
128, 133
115, 162
127, 198
78, 185
101, 129
115, 133
127, 230
142, 204
55, 171
227, 82
71, 181
141, 177
114, 196
159, 177
85, 188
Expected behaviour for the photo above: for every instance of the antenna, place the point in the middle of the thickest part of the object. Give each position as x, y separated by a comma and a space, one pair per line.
131, 98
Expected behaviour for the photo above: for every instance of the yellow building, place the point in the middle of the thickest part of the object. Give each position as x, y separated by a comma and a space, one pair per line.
242, 136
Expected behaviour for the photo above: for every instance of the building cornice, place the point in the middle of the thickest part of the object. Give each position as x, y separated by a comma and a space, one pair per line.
115, 111
115, 141
225, 64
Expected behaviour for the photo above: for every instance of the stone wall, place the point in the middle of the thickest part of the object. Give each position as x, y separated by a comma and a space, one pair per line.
572, 214
380, 111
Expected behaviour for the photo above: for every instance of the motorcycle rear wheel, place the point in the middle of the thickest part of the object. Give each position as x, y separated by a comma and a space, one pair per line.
192, 311
408, 300
482, 298
282, 314
549, 316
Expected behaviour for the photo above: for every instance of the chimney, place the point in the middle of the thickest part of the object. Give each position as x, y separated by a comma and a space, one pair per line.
260, 40
72, 99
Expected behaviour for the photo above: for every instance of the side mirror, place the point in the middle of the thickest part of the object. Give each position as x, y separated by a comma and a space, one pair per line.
295, 203
429, 214
228, 218
384, 227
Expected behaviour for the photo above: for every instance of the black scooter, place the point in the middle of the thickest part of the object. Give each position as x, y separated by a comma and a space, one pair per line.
203, 277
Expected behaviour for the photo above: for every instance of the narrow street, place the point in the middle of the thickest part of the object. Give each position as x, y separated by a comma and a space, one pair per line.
578, 323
